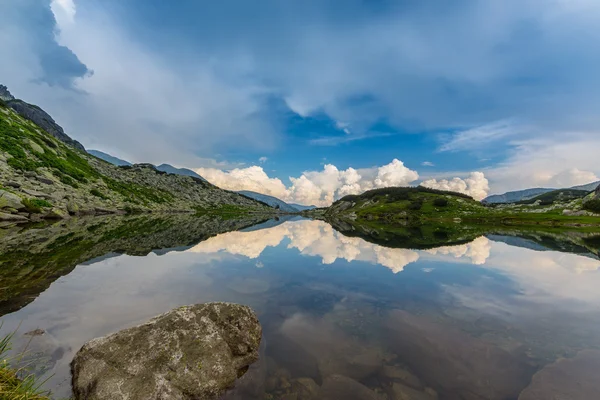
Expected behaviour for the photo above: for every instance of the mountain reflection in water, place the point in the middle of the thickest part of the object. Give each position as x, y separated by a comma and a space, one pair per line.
491, 317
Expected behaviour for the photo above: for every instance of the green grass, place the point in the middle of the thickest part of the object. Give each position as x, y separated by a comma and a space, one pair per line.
97, 193
562, 195
35, 205
64, 162
136, 194
417, 206
17, 384
592, 205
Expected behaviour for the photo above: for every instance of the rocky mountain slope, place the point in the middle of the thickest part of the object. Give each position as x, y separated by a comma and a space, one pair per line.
518, 195
270, 200
43, 176
527, 194
38, 116
560, 195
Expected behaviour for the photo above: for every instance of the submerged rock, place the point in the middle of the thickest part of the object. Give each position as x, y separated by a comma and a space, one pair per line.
193, 352
574, 379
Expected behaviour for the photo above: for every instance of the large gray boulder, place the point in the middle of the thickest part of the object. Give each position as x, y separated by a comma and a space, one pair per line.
193, 352
10, 200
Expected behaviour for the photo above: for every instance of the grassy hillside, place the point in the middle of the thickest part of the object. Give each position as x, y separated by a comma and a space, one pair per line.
561, 195
419, 205
42, 177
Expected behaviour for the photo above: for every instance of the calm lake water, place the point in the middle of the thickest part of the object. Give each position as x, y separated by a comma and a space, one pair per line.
502, 316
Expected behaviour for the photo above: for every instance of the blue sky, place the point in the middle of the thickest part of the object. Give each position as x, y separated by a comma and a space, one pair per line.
270, 95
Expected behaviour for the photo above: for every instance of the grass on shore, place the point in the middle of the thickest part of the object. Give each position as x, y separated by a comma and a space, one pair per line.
17, 384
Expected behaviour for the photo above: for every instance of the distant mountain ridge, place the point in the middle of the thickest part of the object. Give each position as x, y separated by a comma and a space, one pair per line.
300, 207
108, 158
270, 200
527, 194
162, 167
178, 171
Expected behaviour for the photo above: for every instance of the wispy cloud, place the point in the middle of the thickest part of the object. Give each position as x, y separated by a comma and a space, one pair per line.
427, 164
485, 135
336, 140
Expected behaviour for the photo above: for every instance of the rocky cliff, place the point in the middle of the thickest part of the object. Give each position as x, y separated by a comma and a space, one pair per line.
38, 116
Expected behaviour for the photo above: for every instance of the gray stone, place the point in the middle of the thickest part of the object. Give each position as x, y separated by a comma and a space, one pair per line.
47, 181
72, 208
306, 388
192, 352
399, 373
11, 184
55, 213
12, 217
30, 174
35, 193
10, 200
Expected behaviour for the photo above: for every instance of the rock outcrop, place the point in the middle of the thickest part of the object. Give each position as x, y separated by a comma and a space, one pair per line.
574, 379
193, 352
39, 117
5, 94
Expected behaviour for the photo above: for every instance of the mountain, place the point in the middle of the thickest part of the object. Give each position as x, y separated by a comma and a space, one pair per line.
560, 195
270, 200
43, 176
178, 171
589, 187
38, 116
108, 158
527, 194
300, 207
519, 195
162, 167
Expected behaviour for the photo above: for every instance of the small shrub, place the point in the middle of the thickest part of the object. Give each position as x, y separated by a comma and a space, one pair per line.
415, 205
592, 205
440, 202
98, 193
34, 206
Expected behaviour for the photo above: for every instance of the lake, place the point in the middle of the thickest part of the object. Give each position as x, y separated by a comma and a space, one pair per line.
502, 315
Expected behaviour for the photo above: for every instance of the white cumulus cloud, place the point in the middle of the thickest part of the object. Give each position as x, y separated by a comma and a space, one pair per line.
476, 185
252, 178
319, 188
